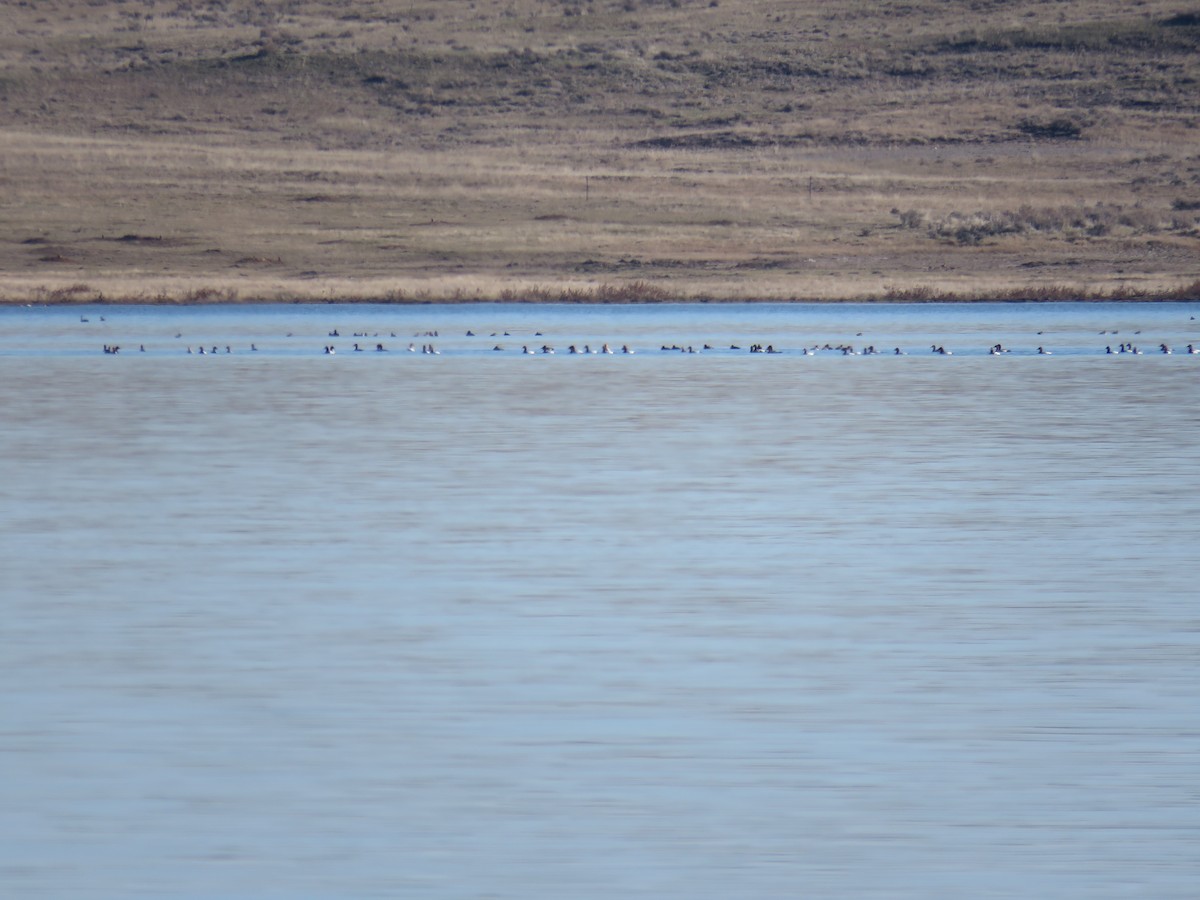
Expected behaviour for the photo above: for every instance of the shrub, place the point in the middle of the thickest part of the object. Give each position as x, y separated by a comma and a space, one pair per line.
1055, 129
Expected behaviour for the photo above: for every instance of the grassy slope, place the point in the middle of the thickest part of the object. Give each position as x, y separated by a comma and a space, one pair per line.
608, 149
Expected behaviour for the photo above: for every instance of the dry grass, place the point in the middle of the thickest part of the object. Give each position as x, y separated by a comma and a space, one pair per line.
597, 151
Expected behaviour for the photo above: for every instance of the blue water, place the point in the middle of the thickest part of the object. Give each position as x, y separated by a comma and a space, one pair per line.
476, 624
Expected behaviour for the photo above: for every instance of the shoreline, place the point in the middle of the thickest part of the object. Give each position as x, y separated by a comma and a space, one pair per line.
637, 294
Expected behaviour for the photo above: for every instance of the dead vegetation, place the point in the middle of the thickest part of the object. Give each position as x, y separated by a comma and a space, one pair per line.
603, 151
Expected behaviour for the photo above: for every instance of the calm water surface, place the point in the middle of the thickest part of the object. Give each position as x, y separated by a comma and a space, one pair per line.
711, 625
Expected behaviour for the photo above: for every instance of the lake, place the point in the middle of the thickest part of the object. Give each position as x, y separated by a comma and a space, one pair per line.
280, 623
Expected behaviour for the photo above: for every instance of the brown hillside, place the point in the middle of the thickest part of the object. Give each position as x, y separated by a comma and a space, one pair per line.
610, 150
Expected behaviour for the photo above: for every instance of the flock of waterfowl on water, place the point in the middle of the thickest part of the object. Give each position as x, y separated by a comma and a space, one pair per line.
539, 347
